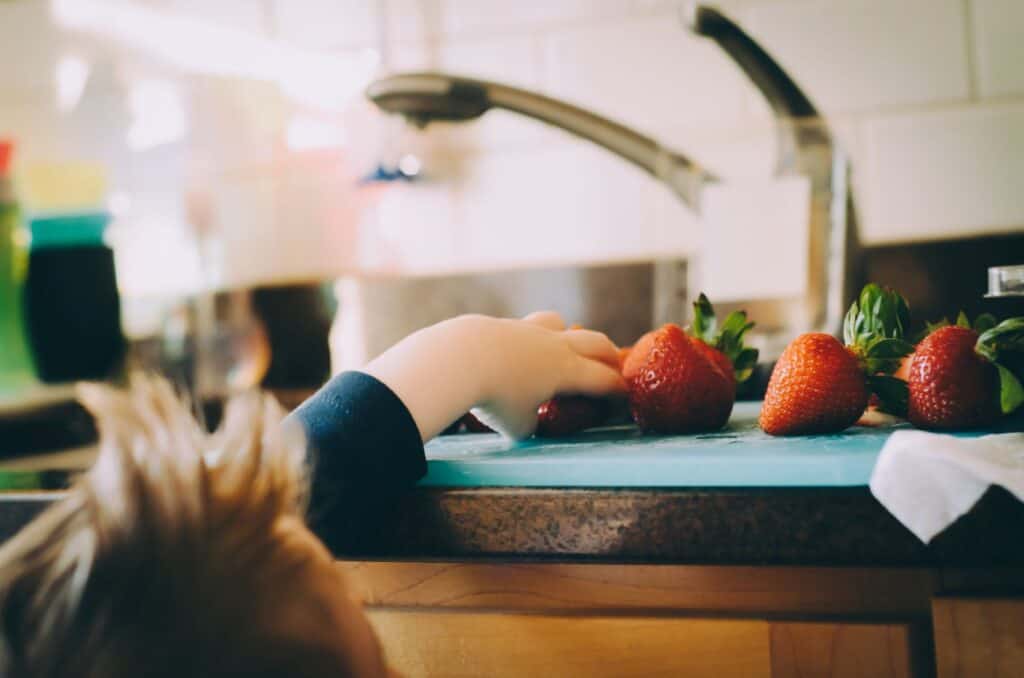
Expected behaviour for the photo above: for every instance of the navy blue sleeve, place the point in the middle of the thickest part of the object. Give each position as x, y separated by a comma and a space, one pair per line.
365, 453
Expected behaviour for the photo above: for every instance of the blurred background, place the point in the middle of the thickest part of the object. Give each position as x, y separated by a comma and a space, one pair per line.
247, 186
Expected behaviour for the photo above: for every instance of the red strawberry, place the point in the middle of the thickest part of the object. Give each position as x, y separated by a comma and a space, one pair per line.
817, 386
634, 361
566, 415
718, 358
954, 380
569, 414
677, 389
821, 386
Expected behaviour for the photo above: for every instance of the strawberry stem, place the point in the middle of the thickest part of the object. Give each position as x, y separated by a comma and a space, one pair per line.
728, 339
893, 393
874, 329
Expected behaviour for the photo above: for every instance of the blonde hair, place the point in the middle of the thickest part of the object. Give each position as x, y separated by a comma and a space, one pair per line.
166, 558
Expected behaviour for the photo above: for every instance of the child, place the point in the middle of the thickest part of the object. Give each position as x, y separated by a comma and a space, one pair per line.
186, 554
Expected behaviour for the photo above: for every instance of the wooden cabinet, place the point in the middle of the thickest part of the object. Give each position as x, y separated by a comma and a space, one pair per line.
819, 650
464, 619
496, 644
425, 643
979, 637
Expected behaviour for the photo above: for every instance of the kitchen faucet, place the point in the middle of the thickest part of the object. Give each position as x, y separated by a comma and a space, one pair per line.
805, 147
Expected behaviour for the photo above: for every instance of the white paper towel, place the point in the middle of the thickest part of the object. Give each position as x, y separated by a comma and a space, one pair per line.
928, 480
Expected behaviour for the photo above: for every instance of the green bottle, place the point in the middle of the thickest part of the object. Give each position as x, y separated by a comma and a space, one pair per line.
16, 368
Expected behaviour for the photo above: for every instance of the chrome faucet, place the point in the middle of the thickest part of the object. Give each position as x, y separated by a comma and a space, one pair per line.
805, 146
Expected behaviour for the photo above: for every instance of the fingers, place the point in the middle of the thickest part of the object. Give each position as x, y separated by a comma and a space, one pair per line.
546, 319
593, 378
594, 345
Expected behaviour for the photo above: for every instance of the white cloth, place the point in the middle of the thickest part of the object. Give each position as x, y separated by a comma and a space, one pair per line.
928, 480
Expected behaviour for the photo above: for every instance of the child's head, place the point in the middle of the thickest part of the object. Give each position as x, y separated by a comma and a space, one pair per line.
180, 554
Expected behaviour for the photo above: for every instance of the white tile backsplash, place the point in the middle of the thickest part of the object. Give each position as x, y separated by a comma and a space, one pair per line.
999, 46
514, 60
927, 95
469, 17
868, 55
326, 23
882, 71
413, 20
567, 203
647, 72
242, 15
945, 174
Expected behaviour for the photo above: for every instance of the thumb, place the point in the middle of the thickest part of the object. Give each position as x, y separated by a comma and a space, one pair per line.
547, 319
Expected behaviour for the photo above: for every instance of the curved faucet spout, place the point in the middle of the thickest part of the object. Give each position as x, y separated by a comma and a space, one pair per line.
426, 97
805, 148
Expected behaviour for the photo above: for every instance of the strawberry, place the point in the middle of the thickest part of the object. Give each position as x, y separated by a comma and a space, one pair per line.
817, 386
820, 385
674, 387
634, 361
566, 415
662, 357
961, 378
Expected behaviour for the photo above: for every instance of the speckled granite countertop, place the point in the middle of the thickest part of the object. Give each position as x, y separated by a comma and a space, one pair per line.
750, 500
782, 526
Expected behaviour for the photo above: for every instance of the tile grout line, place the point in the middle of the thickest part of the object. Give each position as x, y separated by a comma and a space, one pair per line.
971, 49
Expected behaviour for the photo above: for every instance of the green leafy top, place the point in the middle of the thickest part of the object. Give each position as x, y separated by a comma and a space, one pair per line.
728, 338
1003, 346
982, 323
875, 327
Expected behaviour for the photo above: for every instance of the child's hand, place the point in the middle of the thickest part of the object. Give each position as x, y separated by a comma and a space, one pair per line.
503, 368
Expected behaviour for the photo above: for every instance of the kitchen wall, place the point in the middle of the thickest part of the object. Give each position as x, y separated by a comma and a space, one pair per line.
927, 95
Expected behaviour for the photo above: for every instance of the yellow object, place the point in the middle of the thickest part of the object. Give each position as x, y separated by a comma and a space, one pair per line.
62, 187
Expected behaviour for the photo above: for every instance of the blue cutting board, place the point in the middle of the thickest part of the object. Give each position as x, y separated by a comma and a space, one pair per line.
741, 455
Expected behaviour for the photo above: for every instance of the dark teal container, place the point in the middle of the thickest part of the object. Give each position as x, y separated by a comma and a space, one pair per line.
72, 307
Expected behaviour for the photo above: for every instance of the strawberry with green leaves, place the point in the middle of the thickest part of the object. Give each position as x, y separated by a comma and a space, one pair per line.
965, 376
686, 383
820, 385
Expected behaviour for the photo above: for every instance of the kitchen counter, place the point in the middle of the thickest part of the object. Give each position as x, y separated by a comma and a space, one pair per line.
754, 526
556, 573
733, 497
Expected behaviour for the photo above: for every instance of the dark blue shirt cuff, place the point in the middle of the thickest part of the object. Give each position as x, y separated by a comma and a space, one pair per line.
365, 452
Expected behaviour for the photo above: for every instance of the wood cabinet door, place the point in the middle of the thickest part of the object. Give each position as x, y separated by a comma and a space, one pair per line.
457, 644
474, 643
977, 637
838, 650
